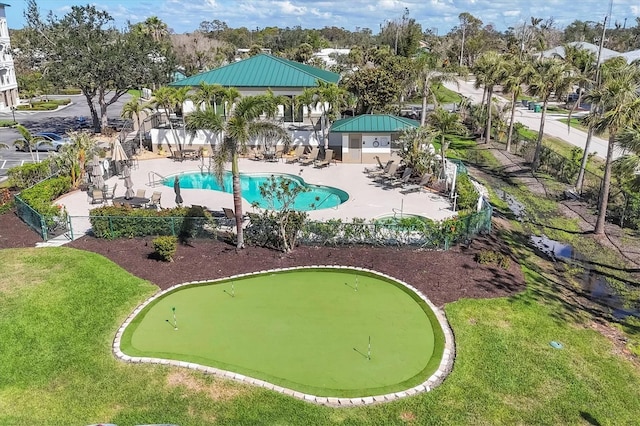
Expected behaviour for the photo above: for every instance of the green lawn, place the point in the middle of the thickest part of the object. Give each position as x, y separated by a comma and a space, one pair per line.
307, 330
60, 308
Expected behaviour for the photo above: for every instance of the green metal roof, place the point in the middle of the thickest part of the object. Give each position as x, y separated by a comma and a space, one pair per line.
262, 71
373, 123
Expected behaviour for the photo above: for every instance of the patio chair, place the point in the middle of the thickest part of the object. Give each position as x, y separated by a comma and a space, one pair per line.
297, 155
416, 187
402, 180
377, 168
140, 193
390, 174
97, 197
311, 157
110, 196
155, 200
328, 157
381, 171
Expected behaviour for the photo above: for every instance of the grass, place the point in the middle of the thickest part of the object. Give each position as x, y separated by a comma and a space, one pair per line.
60, 308
307, 330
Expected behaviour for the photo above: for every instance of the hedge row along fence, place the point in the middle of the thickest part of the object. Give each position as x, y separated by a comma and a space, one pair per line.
34, 207
184, 223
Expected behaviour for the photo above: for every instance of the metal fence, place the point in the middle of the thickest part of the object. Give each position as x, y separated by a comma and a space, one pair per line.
392, 232
46, 227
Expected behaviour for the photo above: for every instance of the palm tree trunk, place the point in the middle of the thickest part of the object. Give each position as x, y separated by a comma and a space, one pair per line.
513, 115
606, 184
237, 200
585, 159
487, 137
536, 157
423, 115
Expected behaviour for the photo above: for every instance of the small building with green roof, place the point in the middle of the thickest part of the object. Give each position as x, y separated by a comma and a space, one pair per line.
262, 72
362, 138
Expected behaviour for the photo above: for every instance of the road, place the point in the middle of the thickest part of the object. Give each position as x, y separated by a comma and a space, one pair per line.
552, 126
62, 120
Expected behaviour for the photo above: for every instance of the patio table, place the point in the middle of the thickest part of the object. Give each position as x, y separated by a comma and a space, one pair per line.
133, 201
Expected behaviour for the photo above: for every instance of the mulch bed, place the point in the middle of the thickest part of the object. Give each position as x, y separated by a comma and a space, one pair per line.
444, 276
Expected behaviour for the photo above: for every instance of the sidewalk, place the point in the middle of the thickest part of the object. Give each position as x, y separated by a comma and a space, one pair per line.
553, 127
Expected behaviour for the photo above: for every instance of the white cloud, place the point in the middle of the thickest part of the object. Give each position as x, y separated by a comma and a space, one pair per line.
186, 15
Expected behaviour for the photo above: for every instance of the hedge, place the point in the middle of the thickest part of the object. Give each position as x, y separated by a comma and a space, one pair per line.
40, 196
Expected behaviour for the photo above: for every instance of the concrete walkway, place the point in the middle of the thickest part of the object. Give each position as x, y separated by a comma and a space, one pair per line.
367, 199
552, 127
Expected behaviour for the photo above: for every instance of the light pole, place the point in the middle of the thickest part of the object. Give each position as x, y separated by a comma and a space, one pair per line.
13, 112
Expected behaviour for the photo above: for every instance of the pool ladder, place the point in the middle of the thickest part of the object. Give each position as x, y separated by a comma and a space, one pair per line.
153, 181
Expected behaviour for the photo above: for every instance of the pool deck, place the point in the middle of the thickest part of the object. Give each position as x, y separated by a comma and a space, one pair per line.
367, 199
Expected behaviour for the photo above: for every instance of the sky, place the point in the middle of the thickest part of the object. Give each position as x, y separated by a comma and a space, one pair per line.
438, 15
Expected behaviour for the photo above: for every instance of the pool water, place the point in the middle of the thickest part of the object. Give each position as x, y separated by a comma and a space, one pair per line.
317, 198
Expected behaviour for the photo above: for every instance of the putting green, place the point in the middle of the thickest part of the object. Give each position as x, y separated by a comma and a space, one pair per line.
305, 329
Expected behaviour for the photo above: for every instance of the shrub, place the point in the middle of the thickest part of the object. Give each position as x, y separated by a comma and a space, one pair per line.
115, 222
491, 257
69, 91
29, 174
6, 201
165, 247
40, 196
467, 194
7, 123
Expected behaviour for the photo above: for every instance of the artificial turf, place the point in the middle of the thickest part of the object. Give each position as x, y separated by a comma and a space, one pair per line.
306, 329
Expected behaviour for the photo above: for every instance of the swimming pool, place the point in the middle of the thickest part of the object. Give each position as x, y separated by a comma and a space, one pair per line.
317, 198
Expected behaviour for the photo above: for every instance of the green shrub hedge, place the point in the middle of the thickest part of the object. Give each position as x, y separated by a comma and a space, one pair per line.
40, 196
48, 105
7, 123
112, 222
29, 174
467, 194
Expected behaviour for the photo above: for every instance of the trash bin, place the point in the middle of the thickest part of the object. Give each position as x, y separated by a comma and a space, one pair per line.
538, 108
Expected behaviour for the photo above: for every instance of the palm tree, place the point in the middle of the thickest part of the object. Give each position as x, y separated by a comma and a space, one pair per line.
208, 94
445, 124
430, 73
548, 77
490, 70
515, 76
178, 97
30, 142
132, 109
163, 98
242, 125
72, 158
619, 108
586, 68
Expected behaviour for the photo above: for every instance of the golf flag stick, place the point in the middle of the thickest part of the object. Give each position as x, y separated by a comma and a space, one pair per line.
233, 290
369, 351
175, 322
356, 283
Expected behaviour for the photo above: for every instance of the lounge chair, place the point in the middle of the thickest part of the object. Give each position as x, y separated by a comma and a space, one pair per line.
328, 157
379, 167
97, 197
297, 155
390, 174
402, 180
140, 193
417, 186
311, 157
381, 171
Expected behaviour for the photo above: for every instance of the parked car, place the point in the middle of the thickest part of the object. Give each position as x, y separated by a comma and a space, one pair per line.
46, 141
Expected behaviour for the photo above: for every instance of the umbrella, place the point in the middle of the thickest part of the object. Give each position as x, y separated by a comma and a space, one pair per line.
118, 155
128, 183
96, 173
176, 188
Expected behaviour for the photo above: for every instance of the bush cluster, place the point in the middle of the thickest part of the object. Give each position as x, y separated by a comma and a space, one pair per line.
467, 193
29, 174
48, 105
6, 200
69, 91
165, 247
7, 123
40, 196
492, 257
112, 222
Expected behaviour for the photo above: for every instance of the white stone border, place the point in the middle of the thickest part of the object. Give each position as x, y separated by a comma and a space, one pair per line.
445, 367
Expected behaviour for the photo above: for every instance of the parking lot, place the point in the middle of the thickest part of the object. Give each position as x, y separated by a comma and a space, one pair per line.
61, 121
